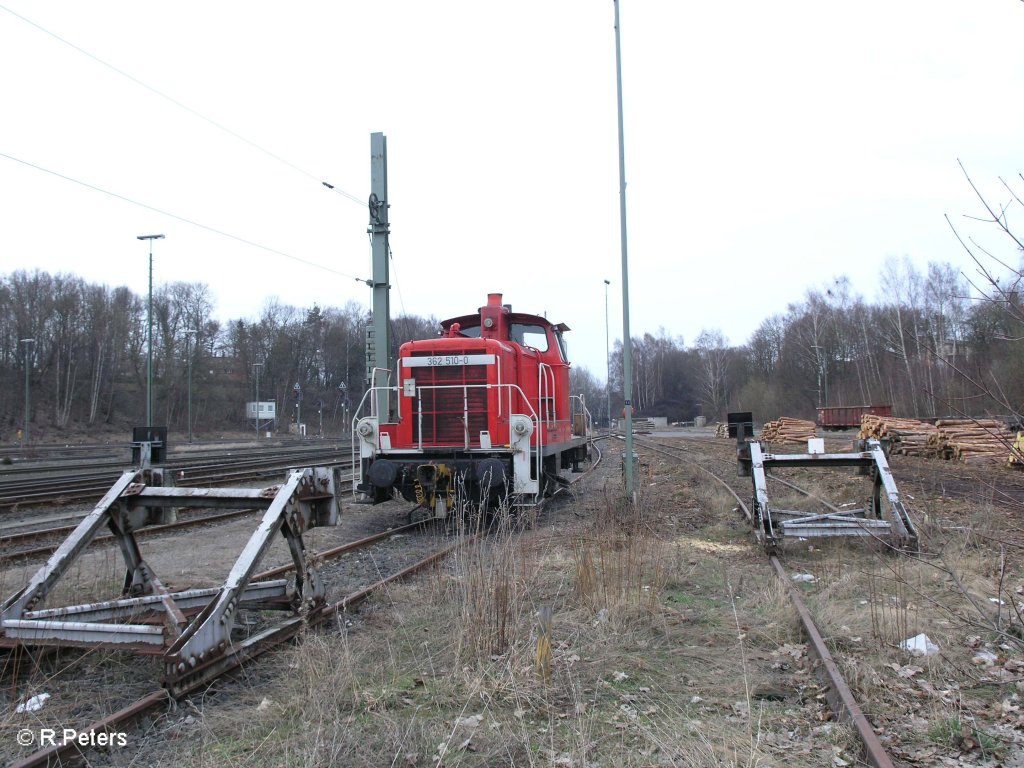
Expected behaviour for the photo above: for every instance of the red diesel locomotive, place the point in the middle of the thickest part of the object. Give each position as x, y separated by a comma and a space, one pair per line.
484, 413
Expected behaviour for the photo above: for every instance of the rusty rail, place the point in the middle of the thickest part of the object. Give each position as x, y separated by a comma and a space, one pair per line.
839, 695
72, 753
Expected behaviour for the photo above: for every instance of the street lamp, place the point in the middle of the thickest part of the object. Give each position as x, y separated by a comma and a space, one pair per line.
188, 353
149, 332
24, 439
257, 367
607, 358
627, 341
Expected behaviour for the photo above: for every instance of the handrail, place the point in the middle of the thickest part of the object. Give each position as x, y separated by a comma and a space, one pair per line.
547, 385
588, 423
373, 382
544, 393
509, 388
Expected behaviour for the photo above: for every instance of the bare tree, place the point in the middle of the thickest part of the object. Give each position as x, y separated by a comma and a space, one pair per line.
999, 282
902, 284
713, 352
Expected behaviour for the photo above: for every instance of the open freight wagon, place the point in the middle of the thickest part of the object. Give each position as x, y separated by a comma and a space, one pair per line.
848, 416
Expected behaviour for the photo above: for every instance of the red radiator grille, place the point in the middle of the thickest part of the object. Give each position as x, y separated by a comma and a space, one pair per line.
447, 412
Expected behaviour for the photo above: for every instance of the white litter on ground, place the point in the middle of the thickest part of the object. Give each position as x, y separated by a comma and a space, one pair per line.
34, 704
920, 644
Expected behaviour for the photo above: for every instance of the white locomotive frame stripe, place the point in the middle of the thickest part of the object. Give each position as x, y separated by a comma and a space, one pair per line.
436, 361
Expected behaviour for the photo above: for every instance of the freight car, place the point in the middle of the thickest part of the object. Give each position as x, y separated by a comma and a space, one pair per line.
848, 416
484, 414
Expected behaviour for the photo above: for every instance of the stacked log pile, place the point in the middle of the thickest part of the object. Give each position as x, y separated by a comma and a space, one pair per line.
972, 440
909, 437
722, 430
965, 440
788, 430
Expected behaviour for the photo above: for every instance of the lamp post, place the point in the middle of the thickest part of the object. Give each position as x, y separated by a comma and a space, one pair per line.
24, 439
607, 358
188, 353
258, 367
149, 332
627, 342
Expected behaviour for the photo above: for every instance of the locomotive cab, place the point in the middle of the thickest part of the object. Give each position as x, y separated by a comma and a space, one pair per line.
484, 414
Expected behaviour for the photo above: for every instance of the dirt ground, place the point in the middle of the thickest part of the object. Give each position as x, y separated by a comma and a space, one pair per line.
603, 634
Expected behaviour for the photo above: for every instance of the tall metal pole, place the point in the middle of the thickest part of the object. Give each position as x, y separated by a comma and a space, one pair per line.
188, 352
378, 348
607, 358
627, 345
258, 367
24, 438
149, 333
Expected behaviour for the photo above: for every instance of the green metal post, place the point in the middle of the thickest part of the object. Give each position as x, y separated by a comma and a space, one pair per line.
627, 345
257, 367
378, 351
607, 359
149, 333
27, 343
149, 344
188, 352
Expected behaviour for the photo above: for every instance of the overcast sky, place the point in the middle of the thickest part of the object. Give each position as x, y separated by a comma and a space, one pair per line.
770, 147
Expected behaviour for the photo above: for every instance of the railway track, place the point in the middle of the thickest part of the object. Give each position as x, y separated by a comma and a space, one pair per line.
12, 544
65, 482
268, 639
840, 696
265, 639
14, 536
834, 641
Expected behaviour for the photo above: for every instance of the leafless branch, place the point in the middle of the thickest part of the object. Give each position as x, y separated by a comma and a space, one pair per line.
1010, 190
998, 219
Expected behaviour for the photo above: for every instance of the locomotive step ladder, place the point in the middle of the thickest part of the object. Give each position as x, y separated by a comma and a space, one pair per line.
885, 517
190, 629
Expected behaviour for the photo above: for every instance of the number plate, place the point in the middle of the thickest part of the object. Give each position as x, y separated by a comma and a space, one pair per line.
435, 361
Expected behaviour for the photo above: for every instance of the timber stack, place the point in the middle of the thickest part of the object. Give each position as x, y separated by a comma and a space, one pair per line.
909, 437
786, 429
722, 430
972, 440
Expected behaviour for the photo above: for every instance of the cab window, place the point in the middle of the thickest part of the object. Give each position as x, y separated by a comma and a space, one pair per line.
561, 347
535, 336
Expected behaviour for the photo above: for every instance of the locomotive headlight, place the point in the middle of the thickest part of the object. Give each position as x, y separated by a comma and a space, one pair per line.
520, 430
489, 322
365, 428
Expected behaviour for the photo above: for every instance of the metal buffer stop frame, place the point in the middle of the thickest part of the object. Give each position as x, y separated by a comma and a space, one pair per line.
191, 629
885, 517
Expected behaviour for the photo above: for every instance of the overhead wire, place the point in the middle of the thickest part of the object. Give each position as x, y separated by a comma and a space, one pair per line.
193, 223
215, 124
187, 108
